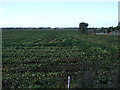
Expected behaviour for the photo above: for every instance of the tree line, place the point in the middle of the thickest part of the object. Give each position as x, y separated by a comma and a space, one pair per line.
83, 29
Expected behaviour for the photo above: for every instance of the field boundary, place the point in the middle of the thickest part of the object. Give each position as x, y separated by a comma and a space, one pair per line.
0, 59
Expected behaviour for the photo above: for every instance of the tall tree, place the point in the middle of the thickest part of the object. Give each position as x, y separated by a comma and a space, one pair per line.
83, 27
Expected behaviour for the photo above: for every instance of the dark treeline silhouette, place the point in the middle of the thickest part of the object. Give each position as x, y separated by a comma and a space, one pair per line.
21, 28
26, 28
88, 30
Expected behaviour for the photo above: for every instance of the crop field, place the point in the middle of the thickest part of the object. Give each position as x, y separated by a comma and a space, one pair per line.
45, 58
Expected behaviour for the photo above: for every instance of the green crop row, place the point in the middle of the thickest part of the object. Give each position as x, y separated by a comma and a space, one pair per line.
44, 59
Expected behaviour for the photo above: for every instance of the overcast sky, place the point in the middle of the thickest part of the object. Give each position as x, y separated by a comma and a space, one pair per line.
59, 13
